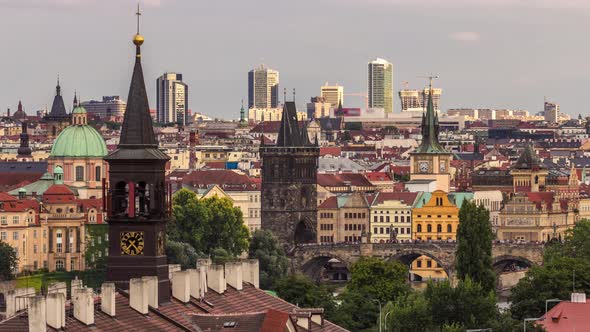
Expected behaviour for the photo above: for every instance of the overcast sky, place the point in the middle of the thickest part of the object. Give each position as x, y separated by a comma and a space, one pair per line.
488, 53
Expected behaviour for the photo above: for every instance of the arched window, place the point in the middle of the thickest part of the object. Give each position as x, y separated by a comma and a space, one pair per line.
429, 228
439, 228
97, 174
79, 173
120, 199
536, 179
449, 228
419, 228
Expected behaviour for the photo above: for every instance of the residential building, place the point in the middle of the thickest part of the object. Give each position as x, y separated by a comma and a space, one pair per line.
110, 107
551, 112
172, 99
492, 200
343, 218
436, 215
332, 94
391, 216
263, 88
380, 85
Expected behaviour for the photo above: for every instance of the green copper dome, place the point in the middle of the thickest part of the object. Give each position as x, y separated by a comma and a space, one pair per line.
79, 141
79, 110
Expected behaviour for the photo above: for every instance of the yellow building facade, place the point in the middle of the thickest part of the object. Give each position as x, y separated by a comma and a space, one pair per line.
436, 219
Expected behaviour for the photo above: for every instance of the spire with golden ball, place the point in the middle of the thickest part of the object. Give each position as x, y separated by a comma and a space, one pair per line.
138, 39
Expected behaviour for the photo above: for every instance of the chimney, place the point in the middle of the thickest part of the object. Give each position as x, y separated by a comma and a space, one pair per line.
233, 274
36, 311
578, 298
181, 286
196, 282
152, 286
17, 300
216, 278
56, 310
303, 319
58, 287
173, 268
250, 269
83, 299
75, 284
138, 295
107, 298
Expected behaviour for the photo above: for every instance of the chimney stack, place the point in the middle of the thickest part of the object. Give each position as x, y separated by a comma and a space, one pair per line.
173, 268
36, 311
56, 310
107, 298
250, 273
195, 283
578, 298
233, 274
75, 284
138, 295
152, 286
181, 286
83, 299
58, 287
216, 278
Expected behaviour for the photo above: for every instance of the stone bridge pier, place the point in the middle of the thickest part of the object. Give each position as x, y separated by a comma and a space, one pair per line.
311, 259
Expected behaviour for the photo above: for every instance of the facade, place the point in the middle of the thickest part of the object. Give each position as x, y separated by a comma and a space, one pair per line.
528, 173
430, 161
391, 216
289, 178
332, 94
416, 100
79, 150
492, 200
343, 218
551, 112
380, 85
108, 107
436, 217
318, 107
257, 115
172, 99
137, 196
263, 88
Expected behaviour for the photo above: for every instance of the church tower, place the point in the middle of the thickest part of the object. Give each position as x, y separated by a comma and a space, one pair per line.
137, 196
289, 179
431, 161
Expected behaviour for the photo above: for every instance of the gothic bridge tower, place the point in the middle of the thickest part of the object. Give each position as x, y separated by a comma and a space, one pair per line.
289, 180
137, 197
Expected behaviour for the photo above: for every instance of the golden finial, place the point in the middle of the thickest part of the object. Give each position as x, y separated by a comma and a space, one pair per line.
138, 39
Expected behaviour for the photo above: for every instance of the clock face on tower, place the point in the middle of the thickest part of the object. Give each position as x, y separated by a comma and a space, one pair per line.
423, 166
132, 243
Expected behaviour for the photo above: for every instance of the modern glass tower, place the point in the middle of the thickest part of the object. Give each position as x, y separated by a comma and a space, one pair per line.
380, 85
263, 88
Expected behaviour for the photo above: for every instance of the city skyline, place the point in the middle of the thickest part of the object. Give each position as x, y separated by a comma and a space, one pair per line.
454, 44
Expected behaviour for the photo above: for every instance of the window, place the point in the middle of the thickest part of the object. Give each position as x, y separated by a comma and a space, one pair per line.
59, 247
15, 235
408, 230
3, 220
34, 234
44, 248
375, 219
34, 248
396, 219
387, 218
97, 173
419, 263
375, 230
15, 220
419, 228
429, 263
429, 228
449, 228
59, 264
3, 236
79, 174
439, 228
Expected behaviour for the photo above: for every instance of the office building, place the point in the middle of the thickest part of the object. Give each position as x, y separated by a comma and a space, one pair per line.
171, 99
318, 108
333, 94
551, 112
380, 85
415, 100
108, 107
263, 88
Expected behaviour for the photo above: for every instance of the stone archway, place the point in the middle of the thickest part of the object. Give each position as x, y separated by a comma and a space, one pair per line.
326, 267
408, 256
304, 232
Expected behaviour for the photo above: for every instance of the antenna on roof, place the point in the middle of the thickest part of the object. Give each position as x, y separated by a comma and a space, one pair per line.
293, 94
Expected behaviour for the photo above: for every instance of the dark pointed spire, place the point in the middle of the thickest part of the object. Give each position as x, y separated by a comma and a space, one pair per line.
430, 128
24, 150
57, 87
75, 103
58, 108
289, 134
137, 131
305, 135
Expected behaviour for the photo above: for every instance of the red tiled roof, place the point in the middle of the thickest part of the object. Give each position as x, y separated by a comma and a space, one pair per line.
215, 164
567, 316
378, 176
274, 321
5, 197
18, 179
406, 197
343, 179
58, 193
330, 203
330, 150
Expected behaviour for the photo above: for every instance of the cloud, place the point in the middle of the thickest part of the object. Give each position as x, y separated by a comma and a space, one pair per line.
465, 36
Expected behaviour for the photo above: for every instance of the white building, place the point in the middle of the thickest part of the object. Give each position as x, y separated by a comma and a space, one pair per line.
263, 88
171, 99
333, 94
380, 85
109, 106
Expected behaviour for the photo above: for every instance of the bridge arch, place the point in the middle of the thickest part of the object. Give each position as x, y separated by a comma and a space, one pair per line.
407, 256
325, 266
505, 262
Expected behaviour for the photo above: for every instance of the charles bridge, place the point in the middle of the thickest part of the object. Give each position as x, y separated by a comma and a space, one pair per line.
311, 258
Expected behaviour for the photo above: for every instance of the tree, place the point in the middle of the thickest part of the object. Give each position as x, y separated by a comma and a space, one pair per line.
208, 224
265, 247
409, 313
379, 279
355, 311
181, 253
474, 246
8, 261
302, 291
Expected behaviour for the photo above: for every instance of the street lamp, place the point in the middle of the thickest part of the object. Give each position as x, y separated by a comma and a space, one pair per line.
528, 320
379, 313
387, 314
550, 300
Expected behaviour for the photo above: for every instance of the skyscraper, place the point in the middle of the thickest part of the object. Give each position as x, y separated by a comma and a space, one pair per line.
333, 94
172, 99
380, 85
551, 112
415, 100
263, 88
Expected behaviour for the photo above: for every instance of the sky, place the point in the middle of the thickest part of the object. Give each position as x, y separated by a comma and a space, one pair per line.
488, 53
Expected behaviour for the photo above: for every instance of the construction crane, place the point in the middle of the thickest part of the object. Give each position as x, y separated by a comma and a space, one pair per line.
360, 94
